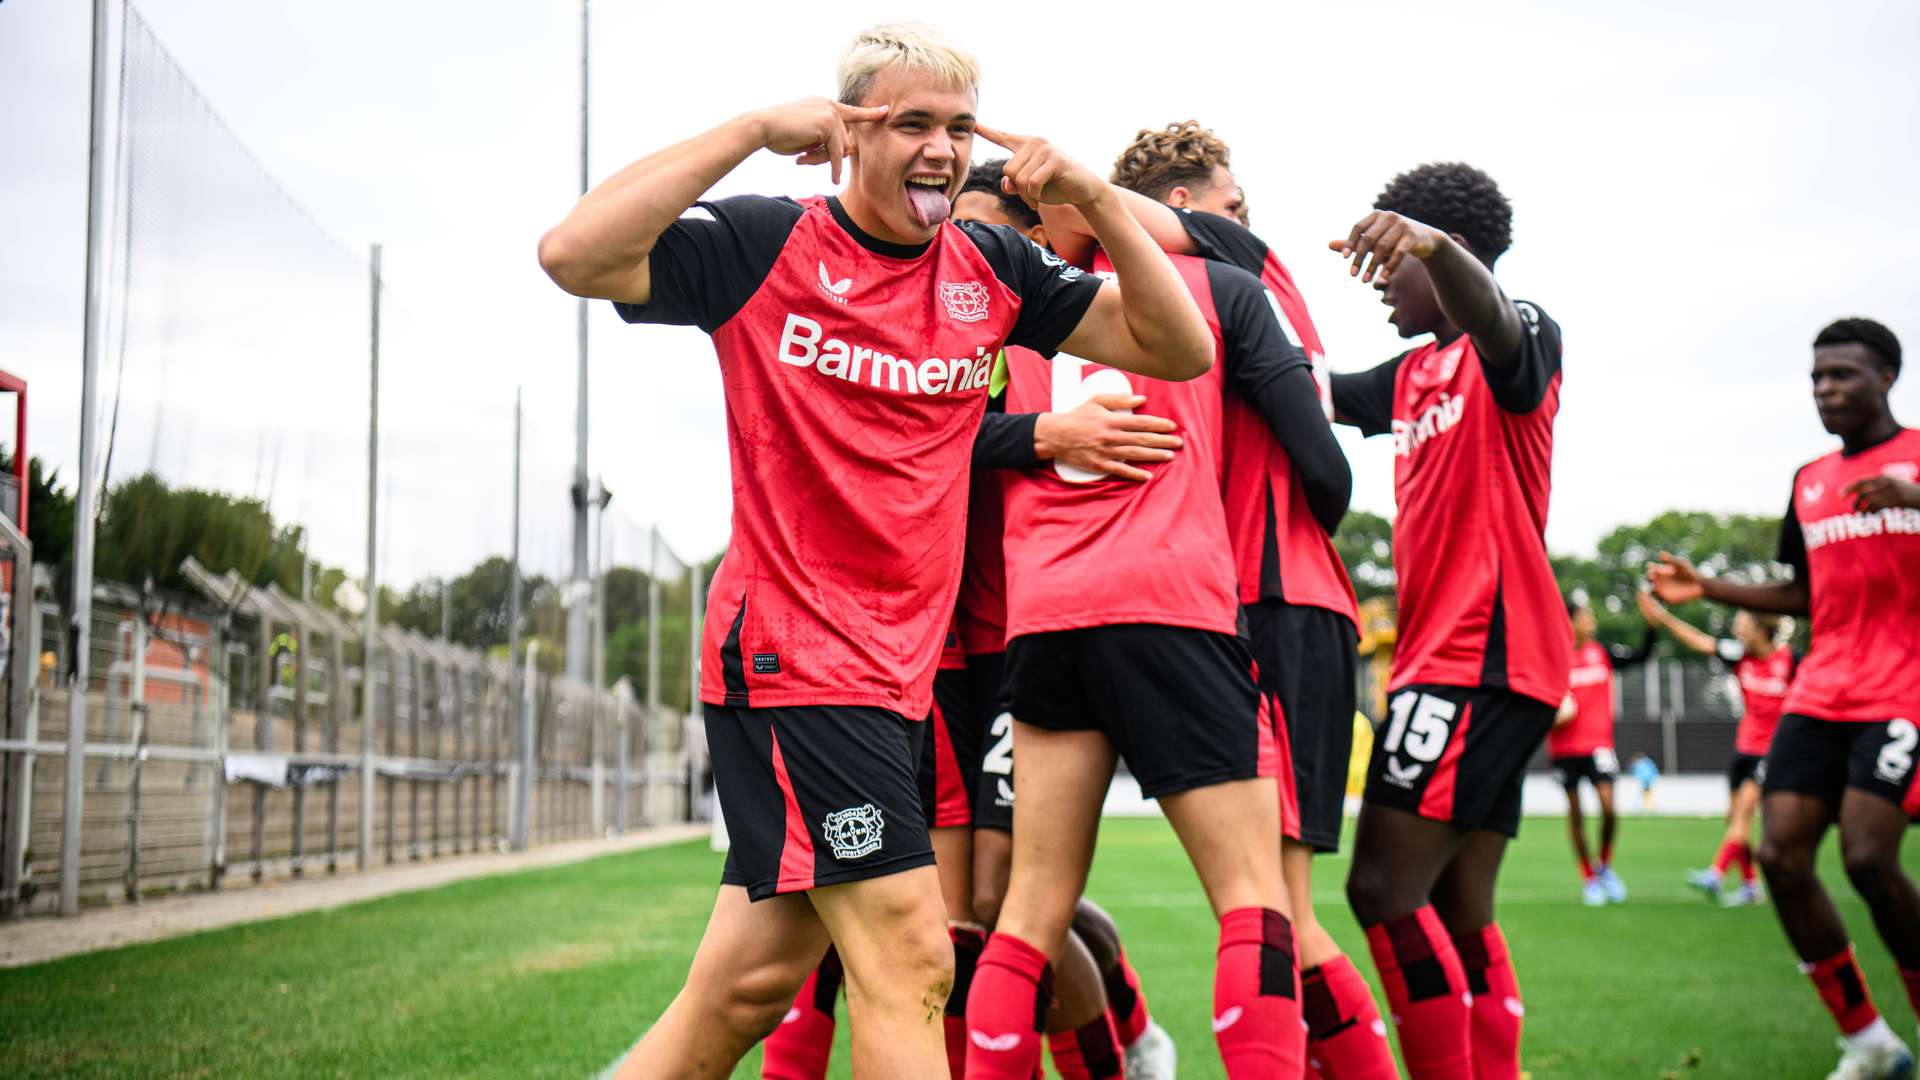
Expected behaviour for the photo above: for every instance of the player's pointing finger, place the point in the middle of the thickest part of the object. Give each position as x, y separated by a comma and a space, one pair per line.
860, 114
1000, 138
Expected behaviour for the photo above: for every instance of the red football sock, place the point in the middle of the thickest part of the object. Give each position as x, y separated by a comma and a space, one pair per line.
1088, 1052
1346, 1039
1006, 1007
1606, 854
1746, 863
1844, 989
967, 943
1256, 996
798, 1049
1428, 993
1497, 1011
1126, 1003
1586, 869
1728, 855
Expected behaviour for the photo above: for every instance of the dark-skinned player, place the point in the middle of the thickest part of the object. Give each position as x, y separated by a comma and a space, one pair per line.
1845, 750
1481, 662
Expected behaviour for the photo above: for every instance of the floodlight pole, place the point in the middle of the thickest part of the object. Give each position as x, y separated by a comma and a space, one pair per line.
517, 816
577, 647
81, 629
370, 616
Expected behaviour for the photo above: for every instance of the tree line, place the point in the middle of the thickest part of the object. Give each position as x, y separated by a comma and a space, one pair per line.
147, 528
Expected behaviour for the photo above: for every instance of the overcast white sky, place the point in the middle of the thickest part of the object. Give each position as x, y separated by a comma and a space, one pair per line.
1698, 188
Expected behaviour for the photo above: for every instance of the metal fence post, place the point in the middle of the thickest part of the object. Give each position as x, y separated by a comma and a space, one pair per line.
302, 641
23, 721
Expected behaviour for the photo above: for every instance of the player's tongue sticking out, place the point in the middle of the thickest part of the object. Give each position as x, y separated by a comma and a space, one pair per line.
928, 202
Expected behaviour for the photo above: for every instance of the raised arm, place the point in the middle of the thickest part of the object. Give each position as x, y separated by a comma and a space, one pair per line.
1675, 581
1469, 296
600, 249
1152, 327
1072, 237
1681, 631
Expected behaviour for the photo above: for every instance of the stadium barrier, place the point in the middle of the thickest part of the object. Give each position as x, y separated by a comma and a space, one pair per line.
236, 734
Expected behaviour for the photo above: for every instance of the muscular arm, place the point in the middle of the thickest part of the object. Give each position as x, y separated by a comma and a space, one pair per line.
1775, 597
600, 249
1149, 326
1072, 238
1473, 301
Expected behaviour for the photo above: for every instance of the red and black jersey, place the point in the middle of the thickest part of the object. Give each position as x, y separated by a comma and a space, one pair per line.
1473, 448
983, 578
1084, 551
855, 374
1590, 681
1863, 575
1282, 549
1764, 682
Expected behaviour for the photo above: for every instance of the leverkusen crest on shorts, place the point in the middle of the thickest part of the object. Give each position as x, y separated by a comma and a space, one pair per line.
965, 301
854, 832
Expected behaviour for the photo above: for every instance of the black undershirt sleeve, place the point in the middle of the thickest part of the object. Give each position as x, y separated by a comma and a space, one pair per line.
711, 261
1005, 441
1274, 376
1521, 388
1226, 240
1365, 398
1054, 296
1793, 543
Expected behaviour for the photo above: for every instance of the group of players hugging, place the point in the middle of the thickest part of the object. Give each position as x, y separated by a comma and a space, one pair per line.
1032, 466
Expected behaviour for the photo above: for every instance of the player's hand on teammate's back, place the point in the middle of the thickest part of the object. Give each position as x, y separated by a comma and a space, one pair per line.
1871, 493
1389, 238
815, 130
1674, 579
1103, 435
1039, 173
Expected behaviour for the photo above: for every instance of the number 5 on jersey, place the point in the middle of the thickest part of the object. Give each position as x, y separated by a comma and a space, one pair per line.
1420, 726
1072, 388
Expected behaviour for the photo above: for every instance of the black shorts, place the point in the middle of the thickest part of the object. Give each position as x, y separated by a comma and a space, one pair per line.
950, 754
816, 795
1825, 757
1457, 754
1178, 704
1306, 671
1745, 767
1600, 767
993, 792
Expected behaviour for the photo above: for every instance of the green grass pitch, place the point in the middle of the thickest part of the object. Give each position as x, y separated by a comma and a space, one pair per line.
553, 972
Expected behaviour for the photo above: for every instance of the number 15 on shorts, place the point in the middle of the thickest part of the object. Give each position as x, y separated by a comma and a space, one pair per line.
1417, 728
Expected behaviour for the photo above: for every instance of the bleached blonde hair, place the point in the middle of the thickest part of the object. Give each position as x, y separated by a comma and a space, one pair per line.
908, 44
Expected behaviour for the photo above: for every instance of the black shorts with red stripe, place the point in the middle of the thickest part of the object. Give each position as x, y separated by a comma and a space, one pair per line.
950, 753
1823, 758
1306, 664
1457, 754
993, 791
1178, 704
816, 795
